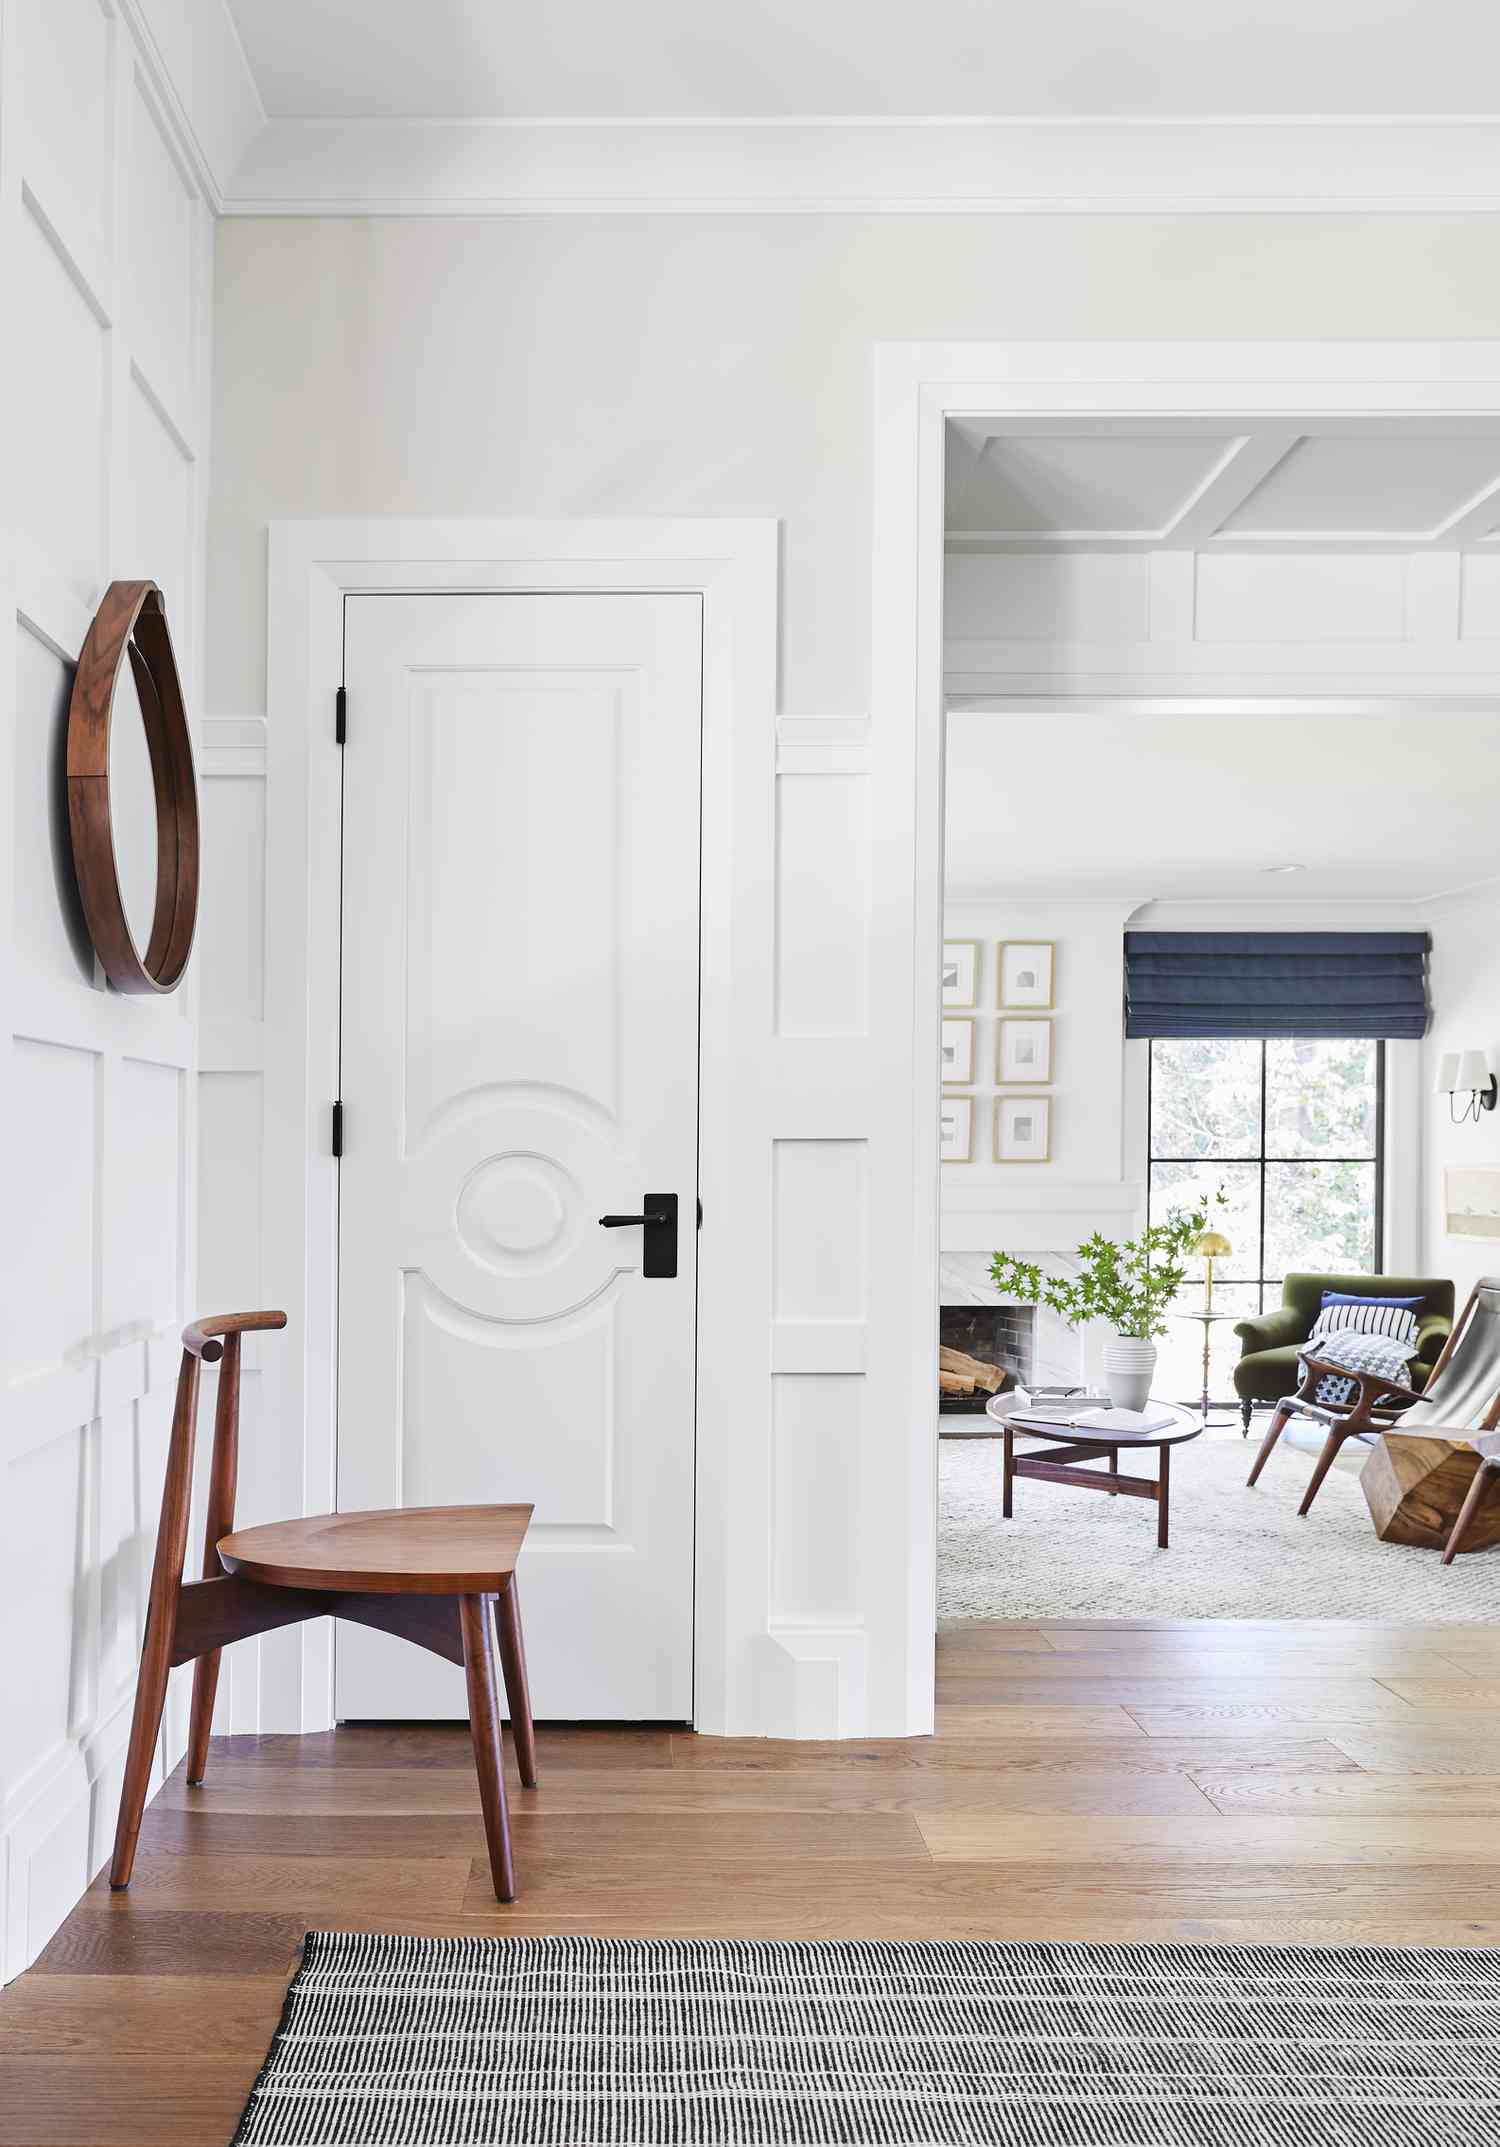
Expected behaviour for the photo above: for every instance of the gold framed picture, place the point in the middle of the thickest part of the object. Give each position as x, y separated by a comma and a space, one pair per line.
958, 1050
960, 972
956, 1130
1027, 970
1023, 1051
1023, 1129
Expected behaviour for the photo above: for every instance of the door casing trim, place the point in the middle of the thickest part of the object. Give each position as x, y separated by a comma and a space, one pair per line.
313, 566
915, 389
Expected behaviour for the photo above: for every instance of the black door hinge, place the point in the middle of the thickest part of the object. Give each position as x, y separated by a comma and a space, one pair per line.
340, 716
338, 1129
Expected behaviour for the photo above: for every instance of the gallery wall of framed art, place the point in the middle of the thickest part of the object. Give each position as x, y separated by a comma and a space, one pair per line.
1009, 987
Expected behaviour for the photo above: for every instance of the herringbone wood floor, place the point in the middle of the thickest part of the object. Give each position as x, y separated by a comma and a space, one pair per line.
1304, 1782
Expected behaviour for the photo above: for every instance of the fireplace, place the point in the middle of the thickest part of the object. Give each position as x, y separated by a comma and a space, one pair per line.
997, 1336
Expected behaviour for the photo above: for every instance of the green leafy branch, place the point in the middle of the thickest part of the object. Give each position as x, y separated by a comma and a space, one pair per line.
1130, 1285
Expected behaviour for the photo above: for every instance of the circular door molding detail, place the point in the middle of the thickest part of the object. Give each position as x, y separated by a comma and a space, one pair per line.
132, 621
513, 1210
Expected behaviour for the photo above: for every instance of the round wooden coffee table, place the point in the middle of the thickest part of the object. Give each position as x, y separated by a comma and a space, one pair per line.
1068, 1447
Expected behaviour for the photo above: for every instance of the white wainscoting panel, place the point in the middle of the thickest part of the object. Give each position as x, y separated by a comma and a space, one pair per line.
61, 52
817, 1472
1479, 608
60, 375
1332, 596
105, 261
822, 895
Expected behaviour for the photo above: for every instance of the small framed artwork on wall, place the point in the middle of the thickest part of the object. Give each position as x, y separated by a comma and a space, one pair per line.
1023, 1051
958, 1051
1027, 967
1023, 1129
956, 1130
1471, 1203
960, 972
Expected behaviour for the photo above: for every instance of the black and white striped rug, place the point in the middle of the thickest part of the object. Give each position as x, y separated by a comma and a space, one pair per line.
588, 2042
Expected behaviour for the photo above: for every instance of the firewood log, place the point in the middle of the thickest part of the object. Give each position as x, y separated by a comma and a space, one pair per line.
989, 1378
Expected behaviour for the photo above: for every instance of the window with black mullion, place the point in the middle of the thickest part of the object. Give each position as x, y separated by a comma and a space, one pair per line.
1291, 1128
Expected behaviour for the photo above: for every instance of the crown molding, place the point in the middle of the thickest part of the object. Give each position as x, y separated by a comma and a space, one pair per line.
937, 166
198, 67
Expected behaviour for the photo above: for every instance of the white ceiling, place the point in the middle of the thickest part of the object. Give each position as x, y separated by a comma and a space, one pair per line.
781, 59
1238, 485
1380, 809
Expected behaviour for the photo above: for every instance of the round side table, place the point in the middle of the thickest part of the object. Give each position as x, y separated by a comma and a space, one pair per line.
1208, 1321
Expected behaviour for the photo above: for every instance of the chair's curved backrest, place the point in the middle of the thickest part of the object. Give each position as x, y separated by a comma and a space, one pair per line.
1463, 1393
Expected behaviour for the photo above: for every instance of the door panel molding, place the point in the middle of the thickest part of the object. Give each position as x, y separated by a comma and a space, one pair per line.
521, 869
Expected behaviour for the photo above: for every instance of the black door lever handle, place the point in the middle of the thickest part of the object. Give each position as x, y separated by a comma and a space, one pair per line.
658, 1222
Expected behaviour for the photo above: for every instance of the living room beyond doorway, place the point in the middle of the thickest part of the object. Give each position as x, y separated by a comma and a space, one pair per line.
1218, 976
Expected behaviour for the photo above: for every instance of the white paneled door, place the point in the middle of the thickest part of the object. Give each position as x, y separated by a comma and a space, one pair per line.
520, 1059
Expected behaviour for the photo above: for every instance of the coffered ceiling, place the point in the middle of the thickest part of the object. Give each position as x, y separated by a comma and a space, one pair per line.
1243, 487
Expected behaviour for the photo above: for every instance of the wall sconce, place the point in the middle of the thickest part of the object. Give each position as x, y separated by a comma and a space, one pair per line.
1467, 1075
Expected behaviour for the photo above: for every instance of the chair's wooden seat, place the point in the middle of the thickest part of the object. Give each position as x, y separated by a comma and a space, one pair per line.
414, 1550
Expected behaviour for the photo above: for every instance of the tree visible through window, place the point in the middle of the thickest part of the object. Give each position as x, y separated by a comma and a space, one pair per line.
1290, 1128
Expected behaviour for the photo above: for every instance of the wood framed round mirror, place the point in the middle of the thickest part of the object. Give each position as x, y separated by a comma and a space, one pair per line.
130, 759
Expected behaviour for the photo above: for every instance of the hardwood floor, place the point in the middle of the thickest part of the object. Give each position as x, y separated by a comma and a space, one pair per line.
1298, 1781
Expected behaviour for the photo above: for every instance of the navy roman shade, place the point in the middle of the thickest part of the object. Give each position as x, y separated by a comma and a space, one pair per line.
1276, 984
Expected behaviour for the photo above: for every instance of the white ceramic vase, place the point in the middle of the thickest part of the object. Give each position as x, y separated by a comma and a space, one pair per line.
1129, 1367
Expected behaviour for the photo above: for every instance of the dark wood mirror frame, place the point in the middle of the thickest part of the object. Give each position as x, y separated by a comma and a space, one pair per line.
132, 621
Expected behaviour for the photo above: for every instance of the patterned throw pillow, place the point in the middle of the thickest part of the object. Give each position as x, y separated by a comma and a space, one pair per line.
1376, 1353
1394, 1317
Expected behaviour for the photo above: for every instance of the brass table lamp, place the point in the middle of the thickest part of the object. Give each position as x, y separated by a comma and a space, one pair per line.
1213, 1245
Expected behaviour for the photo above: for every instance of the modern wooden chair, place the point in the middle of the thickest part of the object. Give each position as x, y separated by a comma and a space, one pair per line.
433, 1575
1460, 1401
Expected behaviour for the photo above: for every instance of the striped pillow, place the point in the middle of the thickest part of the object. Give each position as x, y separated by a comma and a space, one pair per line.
1392, 1316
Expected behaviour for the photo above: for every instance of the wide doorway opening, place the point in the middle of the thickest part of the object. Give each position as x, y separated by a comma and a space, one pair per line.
1218, 905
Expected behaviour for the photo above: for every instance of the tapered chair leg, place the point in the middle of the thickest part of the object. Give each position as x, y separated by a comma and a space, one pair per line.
1332, 1446
201, 1721
161, 1623
517, 1688
145, 1723
1466, 1513
1279, 1420
484, 1727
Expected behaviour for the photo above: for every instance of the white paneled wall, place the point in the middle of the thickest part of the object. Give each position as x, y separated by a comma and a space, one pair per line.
105, 256
1351, 623
817, 1610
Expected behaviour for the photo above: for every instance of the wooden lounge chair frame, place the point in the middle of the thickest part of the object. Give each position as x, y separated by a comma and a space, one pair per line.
1379, 1405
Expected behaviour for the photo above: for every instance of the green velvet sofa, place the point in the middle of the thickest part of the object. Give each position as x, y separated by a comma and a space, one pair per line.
1269, 1343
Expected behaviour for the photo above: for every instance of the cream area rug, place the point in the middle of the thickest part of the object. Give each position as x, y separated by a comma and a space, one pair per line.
1235, 1553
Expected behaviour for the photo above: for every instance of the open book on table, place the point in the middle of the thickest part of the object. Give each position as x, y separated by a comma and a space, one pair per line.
1090, 1417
